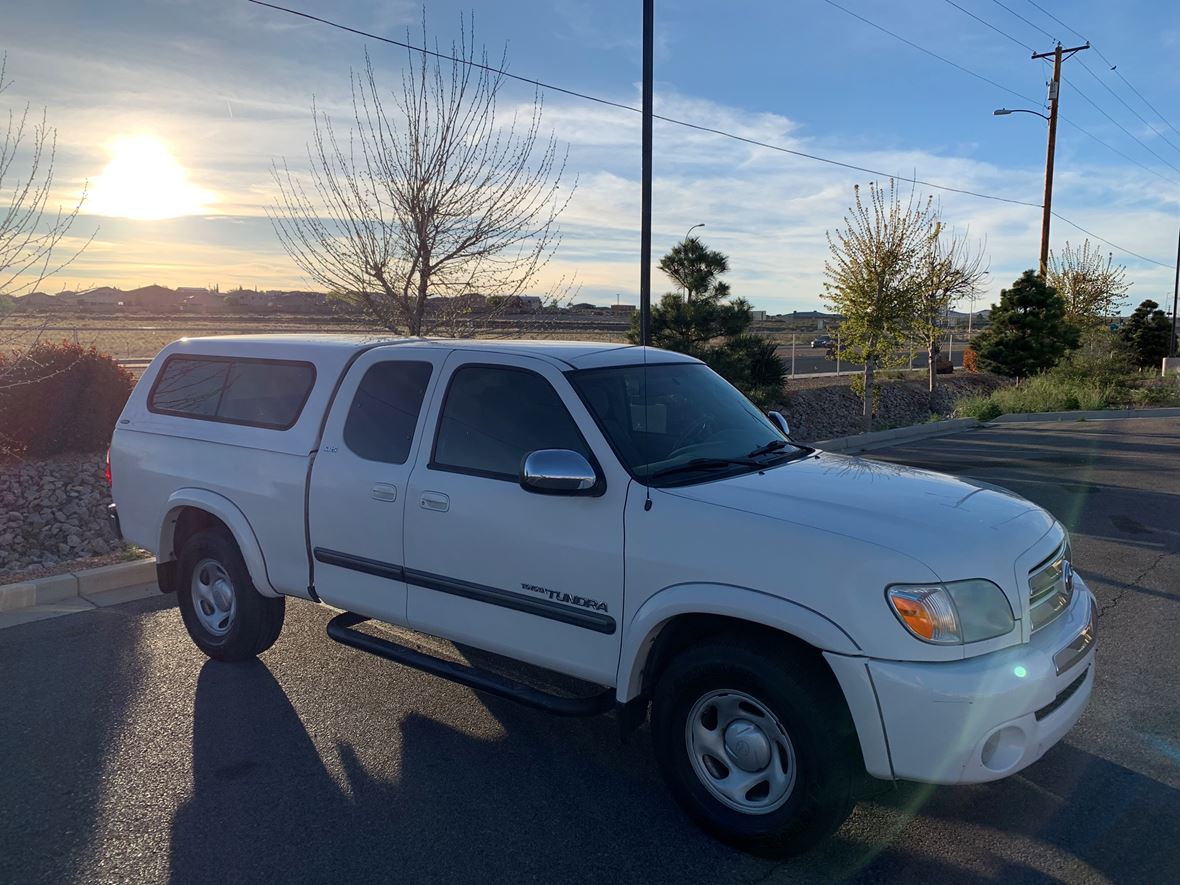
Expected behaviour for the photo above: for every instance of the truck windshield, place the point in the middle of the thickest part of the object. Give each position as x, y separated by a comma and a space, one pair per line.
690, 425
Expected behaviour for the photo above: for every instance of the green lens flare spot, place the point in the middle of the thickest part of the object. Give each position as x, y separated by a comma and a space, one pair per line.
1020, 672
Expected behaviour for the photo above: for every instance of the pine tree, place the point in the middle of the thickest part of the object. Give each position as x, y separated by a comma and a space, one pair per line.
1148, 333
702, 320
1029, 332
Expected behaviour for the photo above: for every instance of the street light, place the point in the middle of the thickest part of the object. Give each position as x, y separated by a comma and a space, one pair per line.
1003, 112
691, 229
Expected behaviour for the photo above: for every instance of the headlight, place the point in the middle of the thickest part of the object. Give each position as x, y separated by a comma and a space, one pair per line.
952, 614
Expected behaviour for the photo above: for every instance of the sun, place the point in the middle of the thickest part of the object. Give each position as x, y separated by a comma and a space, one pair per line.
144, 181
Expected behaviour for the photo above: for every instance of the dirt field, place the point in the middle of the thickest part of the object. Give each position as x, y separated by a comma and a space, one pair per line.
130, 337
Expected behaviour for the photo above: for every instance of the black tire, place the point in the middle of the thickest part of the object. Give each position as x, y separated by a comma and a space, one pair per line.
798, 689
253, 622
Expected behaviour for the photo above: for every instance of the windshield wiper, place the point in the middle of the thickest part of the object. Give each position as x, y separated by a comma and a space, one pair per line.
704, 464
773, 446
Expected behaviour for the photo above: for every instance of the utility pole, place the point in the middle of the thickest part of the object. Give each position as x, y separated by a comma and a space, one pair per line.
645, 189
1059, 55
1175, 295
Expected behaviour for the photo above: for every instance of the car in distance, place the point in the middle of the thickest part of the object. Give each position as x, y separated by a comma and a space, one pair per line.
822, 341
624, 516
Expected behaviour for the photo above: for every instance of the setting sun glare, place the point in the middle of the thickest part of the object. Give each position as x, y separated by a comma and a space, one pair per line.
144, 181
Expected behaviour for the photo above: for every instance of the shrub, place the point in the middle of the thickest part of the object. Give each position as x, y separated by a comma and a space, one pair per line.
60, 397
980, 407
970, 360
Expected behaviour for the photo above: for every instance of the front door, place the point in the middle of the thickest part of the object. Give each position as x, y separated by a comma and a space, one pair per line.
535, 577
358, 482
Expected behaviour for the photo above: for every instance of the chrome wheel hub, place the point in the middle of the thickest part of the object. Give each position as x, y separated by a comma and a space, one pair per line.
740, 751
213, 597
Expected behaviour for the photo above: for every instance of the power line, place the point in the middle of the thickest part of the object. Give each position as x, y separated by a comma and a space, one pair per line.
701, 128
625, 107
1111, 65
1027, 22
1090, 233
930, 52
1019, 42
1125, 104
988, 24
1020, 95
1127, 131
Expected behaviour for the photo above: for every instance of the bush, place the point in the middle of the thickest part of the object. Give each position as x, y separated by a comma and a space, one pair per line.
970, 360
60, 397
1043, 393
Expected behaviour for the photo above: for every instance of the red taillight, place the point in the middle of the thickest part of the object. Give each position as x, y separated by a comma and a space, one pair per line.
108, 470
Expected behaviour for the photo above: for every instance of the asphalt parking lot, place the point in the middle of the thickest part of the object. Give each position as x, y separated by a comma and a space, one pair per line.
129, 757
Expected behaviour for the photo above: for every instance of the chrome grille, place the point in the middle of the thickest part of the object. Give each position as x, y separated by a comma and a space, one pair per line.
1050, 587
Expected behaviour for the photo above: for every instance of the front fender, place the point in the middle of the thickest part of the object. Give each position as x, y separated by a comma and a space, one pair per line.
724, 600
227, 511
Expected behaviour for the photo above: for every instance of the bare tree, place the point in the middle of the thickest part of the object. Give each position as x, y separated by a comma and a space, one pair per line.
954, 268
30, 229
1091, 284
875, 276
429, 205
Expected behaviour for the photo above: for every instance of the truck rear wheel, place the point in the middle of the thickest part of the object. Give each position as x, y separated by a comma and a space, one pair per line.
225, 615
756, 745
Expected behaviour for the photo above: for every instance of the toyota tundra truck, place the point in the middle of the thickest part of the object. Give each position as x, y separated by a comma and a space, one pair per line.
620, 515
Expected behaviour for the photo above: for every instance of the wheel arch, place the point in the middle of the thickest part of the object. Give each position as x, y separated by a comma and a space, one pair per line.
191, 510
682, 614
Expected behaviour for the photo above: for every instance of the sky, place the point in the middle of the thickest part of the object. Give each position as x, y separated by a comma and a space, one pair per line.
170, 113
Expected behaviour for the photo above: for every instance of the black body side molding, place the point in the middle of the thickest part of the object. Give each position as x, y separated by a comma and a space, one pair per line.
340, 628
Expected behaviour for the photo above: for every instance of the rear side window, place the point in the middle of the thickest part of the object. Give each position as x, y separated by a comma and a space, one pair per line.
258, 393
384, 412
494, 416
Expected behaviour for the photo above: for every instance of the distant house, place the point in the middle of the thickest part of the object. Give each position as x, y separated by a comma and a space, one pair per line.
250, 299
300, 302
104, 297
623, 308
757, 315
34, 301
202, 301
152, 297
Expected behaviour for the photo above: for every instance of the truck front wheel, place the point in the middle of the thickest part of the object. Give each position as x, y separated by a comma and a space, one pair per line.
756, 744
225, 615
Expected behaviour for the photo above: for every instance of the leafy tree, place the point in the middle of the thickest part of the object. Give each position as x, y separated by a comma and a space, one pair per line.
1029, 331
875, 277
1148, 333
1090, 284
702, 320
954, 269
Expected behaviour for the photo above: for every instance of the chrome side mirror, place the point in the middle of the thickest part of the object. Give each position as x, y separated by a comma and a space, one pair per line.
557, 472
780, 421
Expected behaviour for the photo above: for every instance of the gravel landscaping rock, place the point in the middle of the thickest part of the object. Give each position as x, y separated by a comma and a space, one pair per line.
827, 408
52, 511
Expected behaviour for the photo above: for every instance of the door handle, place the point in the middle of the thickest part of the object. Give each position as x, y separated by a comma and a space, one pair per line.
435, 501
383, 491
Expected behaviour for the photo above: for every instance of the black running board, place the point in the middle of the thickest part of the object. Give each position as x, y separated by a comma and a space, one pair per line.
340, 629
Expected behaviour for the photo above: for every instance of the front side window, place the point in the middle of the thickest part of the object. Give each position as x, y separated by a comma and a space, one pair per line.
679, 422
384, 411
258, 393
493, 416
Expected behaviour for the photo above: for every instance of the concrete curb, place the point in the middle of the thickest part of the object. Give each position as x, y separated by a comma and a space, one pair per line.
1097, 415
72, 592
865, 442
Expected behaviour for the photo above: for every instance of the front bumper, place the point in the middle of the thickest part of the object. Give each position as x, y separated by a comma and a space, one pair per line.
979, 719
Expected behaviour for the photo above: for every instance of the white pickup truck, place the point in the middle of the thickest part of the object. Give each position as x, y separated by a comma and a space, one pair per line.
795, 619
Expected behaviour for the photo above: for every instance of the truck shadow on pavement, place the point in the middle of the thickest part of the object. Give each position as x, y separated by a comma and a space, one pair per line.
561, 801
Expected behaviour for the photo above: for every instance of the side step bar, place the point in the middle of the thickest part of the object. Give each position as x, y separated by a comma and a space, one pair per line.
340, 629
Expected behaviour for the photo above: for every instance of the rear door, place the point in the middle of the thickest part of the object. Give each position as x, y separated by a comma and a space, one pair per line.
357, 494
